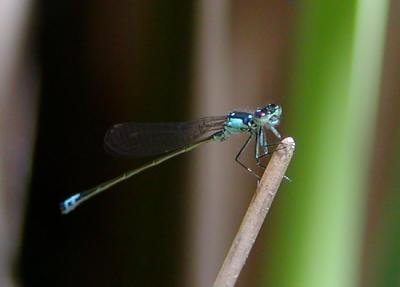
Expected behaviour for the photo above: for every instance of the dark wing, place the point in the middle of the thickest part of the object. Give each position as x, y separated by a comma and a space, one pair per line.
147, 139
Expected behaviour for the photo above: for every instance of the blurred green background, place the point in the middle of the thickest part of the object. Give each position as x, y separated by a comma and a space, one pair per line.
72, 69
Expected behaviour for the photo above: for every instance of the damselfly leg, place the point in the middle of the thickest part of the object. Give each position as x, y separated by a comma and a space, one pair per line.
266, 153
239, 154
261, 143
261, 150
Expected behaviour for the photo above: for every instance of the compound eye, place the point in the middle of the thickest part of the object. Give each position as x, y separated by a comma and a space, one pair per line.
259, 113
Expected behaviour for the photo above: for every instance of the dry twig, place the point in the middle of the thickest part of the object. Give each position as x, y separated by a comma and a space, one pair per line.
255, 215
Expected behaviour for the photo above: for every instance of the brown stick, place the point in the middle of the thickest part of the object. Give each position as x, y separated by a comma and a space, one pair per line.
255, 215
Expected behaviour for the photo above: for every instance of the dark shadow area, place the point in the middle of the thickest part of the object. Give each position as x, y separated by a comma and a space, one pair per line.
102, 63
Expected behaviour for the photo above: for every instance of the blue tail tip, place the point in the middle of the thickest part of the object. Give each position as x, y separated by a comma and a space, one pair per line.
69, 204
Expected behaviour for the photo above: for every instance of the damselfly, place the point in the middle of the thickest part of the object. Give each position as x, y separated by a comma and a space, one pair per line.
172, 139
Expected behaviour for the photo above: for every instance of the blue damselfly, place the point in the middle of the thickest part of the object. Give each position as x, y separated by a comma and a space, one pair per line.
172, 139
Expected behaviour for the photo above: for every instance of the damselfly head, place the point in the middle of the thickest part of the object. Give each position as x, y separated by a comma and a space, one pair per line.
270, 114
